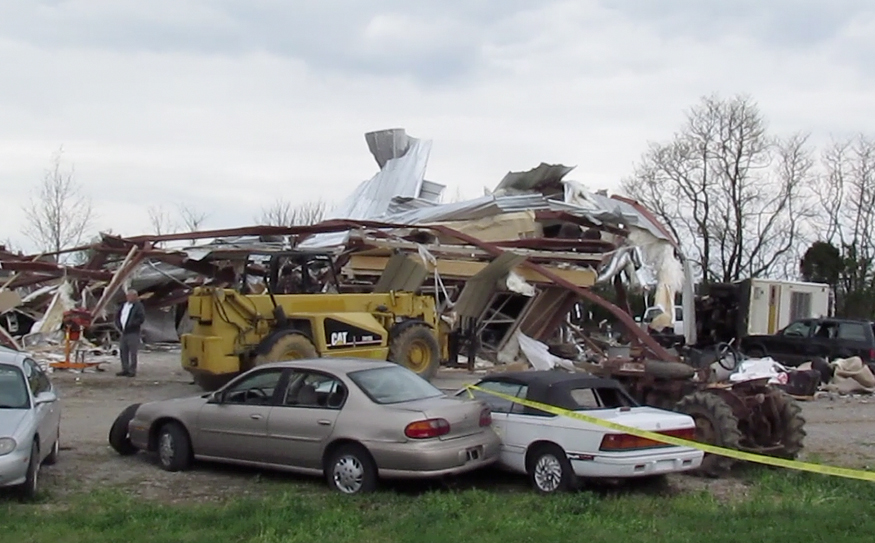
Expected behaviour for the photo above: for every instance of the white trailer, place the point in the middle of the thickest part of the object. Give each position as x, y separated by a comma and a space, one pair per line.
773, 304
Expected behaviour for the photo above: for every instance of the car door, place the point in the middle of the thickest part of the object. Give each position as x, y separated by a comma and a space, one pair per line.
233, 424
303, 420
823, 341
852, 337
788, 345
46, 413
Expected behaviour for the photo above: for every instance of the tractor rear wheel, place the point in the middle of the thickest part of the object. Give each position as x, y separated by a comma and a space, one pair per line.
417, 349
792, 425
716, 424
284, 346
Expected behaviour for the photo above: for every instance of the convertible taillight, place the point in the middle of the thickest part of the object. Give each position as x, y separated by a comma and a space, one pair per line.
486, 417
628, 442
424, 429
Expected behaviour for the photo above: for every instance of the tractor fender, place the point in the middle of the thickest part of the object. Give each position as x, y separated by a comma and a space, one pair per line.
267, 341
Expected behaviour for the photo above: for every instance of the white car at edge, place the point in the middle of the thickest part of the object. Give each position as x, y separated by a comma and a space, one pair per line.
556, 451
30, 422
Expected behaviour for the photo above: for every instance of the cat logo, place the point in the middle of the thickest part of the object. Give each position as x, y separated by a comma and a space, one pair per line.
338, 338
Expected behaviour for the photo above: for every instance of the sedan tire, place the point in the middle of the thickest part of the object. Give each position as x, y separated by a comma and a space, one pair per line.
549, 470
118, 433
52, 458
351, 470
174, 447
27, 491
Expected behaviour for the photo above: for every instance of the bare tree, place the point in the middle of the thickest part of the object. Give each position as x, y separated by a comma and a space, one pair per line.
58, 213
848, 201
733, 196
192, 218
283, 213
161, 221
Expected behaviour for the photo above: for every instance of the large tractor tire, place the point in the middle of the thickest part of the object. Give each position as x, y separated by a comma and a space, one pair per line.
284, 346
416, 348
716, 424
792, 426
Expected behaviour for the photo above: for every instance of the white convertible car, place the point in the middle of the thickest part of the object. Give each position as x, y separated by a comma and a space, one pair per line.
555, 450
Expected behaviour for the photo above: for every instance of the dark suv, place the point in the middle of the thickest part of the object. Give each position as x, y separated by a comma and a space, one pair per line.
806, 339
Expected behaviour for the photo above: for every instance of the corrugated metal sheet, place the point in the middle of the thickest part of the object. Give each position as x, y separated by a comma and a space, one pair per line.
478, 208
403, 161
546, 177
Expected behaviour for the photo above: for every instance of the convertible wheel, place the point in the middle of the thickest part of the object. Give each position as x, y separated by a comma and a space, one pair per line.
52, 458
118, 432
174, 447
351, 470
28, 489
549, 470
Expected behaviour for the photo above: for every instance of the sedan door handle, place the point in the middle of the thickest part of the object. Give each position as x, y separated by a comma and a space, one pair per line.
324, 422
255, 416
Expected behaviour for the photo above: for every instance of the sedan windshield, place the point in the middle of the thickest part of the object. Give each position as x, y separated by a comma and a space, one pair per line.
393, 384
13, 389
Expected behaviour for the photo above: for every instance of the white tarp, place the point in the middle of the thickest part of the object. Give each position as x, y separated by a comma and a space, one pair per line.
539, 356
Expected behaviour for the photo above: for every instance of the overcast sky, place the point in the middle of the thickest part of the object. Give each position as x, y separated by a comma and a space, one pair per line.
226, 105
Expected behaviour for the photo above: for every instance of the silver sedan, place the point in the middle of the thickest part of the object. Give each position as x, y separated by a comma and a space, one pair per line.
30, 421
349, 420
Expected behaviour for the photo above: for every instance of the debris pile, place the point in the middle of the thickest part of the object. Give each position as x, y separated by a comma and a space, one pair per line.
509, 269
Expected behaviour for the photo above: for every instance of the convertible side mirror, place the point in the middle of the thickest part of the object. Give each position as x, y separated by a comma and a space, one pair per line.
45, 397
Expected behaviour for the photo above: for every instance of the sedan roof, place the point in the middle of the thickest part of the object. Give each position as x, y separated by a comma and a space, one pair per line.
12, 357
555, 387
344, 365
549, 378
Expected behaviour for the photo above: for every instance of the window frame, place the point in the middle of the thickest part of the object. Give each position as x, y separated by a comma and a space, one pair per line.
269, 400
291, 379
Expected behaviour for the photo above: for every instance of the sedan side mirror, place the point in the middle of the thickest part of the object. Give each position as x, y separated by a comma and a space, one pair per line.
216, 397
45, 397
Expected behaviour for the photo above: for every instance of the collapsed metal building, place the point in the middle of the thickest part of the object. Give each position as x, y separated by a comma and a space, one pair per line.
510, 270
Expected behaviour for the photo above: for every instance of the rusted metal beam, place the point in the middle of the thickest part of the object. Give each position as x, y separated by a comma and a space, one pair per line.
649, 216
628, 322
128, 266
559, 244
56, 270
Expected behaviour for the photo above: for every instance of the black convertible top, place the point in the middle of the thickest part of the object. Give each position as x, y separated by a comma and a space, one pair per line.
554, 387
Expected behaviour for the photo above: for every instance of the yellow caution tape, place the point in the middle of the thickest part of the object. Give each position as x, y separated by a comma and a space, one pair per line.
670, 440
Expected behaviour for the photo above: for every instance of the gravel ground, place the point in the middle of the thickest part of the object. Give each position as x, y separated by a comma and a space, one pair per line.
841, 431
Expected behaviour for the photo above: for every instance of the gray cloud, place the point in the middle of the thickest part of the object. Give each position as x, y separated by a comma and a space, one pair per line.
233, 103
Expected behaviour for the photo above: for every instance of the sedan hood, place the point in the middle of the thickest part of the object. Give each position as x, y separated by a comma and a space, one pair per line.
11, 419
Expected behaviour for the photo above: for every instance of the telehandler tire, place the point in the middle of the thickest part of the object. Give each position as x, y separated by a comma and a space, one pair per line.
716, 424
416, 348
282, 346
210, 383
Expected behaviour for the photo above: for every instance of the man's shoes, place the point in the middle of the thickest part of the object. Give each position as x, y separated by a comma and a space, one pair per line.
130, 375
122, 374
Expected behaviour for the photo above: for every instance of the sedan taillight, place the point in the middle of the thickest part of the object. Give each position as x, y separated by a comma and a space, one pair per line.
486, 417
628, 442
424, 429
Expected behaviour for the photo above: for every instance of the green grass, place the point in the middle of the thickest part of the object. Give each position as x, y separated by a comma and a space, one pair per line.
779, 507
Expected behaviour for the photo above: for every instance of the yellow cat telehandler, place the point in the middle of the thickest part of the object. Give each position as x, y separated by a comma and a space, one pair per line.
235, 330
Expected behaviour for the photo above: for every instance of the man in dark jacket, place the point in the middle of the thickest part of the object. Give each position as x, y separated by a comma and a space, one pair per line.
128, 320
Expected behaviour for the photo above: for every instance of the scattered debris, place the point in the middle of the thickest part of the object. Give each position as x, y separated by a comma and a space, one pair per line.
506, 266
